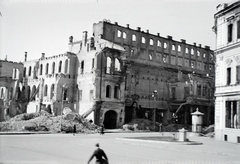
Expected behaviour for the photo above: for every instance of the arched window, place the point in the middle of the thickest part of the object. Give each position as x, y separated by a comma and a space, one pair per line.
151, 42
41, 67
192, 51
173, 47
159, 43
52, 91
198, 53
117, 65
143, 40
24, 72
108, 91
53, 67
165, 45
119, 33
134, 37
179, 48
29, 71
187, 51
116, 92
204, 90
45, 90
46, 72
60, 66
108, 69
66, 66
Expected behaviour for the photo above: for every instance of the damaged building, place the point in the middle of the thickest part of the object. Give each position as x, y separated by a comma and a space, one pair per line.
123, 73
11, 93
117, 74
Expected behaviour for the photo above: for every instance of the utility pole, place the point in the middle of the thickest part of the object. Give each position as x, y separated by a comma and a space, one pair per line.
154, 95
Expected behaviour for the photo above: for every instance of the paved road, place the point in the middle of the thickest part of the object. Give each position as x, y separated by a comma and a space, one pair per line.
69, 149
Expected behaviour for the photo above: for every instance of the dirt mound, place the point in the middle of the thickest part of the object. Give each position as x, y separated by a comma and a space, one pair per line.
43, 121
141, 124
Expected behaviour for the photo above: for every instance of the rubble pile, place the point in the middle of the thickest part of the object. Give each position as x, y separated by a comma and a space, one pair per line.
141, 124
43, 121
175, 127
208, 131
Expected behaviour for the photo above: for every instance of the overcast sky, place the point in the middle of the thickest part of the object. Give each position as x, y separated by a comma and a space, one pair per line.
44, 26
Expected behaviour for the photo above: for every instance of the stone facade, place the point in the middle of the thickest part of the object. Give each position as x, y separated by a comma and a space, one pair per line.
227, 105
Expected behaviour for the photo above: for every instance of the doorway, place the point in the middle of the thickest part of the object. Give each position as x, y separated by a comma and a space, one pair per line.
110, 120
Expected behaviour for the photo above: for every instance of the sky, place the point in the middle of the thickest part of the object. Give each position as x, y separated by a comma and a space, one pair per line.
44, 26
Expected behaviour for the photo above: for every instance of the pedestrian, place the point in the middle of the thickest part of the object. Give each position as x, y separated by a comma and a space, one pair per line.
74, 129
99, 154
102, 130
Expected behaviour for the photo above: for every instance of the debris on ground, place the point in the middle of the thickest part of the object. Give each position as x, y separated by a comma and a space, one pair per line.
208, 131
43, 121
148, 125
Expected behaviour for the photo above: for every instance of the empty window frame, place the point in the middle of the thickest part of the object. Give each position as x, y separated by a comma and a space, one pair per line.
173, 47
116, 92
52, 91
143, 40
192, 64
66, 66
151, 42
165, 45
24, 72
46, 71
198, 53
108, 65
199, 87
159, 43
82, 67
53, 67
230, 32
45, 90
117, 65
124, 35
60, 66
150, 56
29, 71
134, 37
186, 50
232, 114
41, 69
179, 48
108, 91
119, 33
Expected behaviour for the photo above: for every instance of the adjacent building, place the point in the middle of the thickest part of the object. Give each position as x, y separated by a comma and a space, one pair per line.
227, 105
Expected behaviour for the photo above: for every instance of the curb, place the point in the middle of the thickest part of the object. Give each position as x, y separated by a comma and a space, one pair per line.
164, 142
23, 133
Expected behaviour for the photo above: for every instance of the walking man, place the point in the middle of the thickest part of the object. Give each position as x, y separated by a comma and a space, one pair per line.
99, 153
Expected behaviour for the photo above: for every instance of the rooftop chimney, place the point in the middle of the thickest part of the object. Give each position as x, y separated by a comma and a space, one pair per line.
127, 25
147, 31
43, 56
158, 34
139, 28
194, 44
84, 38
25, 59
207, 47
169, 37
116, 23
199, 45
183, 40
70, 39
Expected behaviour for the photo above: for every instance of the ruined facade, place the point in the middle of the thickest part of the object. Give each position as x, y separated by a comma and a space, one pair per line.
119, 73
119, 68
227, 105
10, 92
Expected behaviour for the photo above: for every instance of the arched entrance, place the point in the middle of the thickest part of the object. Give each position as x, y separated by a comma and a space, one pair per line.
110, 120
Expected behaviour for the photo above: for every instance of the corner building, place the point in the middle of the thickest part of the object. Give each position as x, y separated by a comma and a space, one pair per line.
227, 105
123, 73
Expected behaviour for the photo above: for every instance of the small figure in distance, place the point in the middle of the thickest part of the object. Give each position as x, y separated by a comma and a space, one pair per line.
101, 130
99, 153
74, 129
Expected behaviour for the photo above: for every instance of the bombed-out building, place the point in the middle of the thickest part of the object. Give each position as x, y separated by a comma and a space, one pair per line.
125, 73
118, 73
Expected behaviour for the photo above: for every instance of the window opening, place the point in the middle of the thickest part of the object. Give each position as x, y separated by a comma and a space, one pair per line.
133, 37
151, 42
228, 76
108, 91
230, 32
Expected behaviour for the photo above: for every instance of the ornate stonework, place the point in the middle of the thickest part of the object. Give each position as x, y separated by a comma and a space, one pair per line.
237, 58
228, 61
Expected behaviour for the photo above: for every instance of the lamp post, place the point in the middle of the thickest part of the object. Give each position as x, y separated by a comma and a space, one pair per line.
64, 87
154, 95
